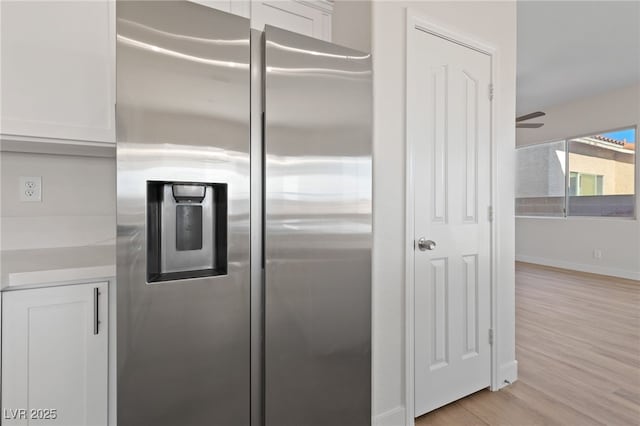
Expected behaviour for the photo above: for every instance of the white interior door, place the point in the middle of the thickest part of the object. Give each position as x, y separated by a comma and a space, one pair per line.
449, 121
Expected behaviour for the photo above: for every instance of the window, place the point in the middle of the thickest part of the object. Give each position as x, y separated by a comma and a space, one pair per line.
600, 180
604, 170
585, 184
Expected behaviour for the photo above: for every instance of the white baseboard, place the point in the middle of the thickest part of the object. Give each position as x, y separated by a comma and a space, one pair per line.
507, 374
393, 417
593, 269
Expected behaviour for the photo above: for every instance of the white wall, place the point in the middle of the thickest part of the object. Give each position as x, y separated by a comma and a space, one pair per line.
351, 24
494, 23
78, 201
569, 242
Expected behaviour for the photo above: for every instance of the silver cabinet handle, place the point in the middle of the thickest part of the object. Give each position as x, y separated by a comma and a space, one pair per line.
424, 244
96, 310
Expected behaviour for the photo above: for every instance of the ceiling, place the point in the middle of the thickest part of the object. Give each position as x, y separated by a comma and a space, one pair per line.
569, 50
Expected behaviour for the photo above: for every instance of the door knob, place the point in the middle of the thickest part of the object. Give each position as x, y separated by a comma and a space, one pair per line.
424, 244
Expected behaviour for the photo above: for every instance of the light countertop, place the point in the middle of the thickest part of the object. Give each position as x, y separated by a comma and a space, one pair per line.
51, 266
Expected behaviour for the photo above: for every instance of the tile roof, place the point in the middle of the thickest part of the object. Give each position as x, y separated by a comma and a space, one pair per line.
623, 144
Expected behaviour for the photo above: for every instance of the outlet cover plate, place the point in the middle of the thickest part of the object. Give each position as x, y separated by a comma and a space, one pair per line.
30, 189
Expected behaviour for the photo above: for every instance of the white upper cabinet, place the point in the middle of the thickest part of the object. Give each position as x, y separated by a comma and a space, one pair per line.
237, 7
58, 69
312, 18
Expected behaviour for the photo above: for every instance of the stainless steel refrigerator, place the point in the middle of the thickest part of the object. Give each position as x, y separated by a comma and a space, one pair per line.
244, 223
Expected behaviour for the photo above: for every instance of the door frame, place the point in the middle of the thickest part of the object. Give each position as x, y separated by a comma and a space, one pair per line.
417, 21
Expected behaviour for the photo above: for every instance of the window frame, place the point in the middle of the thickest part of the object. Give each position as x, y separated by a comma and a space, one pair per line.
567, 176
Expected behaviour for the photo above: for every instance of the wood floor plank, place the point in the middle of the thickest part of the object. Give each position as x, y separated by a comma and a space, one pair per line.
503, 408
452, 414
562, 413
578, 351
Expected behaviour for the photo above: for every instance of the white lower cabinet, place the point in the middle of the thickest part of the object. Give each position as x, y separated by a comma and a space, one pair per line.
55, 355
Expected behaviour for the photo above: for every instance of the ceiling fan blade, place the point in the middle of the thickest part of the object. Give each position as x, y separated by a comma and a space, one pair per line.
529, 125
530, 116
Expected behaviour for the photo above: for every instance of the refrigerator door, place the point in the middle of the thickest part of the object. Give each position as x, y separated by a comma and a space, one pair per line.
183, 345
317, 232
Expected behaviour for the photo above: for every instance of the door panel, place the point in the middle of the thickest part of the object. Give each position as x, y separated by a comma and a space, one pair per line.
471, 147
439, 164
317, 233
449, 123
440, 309
470, 288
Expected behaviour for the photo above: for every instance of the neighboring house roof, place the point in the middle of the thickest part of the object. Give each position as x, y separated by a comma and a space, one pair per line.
608, 143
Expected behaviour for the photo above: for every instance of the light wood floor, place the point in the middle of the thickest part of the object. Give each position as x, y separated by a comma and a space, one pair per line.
578, 352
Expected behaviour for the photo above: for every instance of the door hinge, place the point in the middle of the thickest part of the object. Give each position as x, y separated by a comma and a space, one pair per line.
491, 91
491, 336
490, 213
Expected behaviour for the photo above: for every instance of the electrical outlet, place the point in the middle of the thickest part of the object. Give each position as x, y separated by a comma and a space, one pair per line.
31, 188
597, 254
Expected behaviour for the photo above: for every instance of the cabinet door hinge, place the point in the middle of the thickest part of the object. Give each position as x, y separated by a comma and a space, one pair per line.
490, 213
491, 91
491, 336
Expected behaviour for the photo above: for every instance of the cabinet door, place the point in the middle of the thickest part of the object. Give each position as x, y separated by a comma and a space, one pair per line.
58, 78
293, 16
54, 355
237, 7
